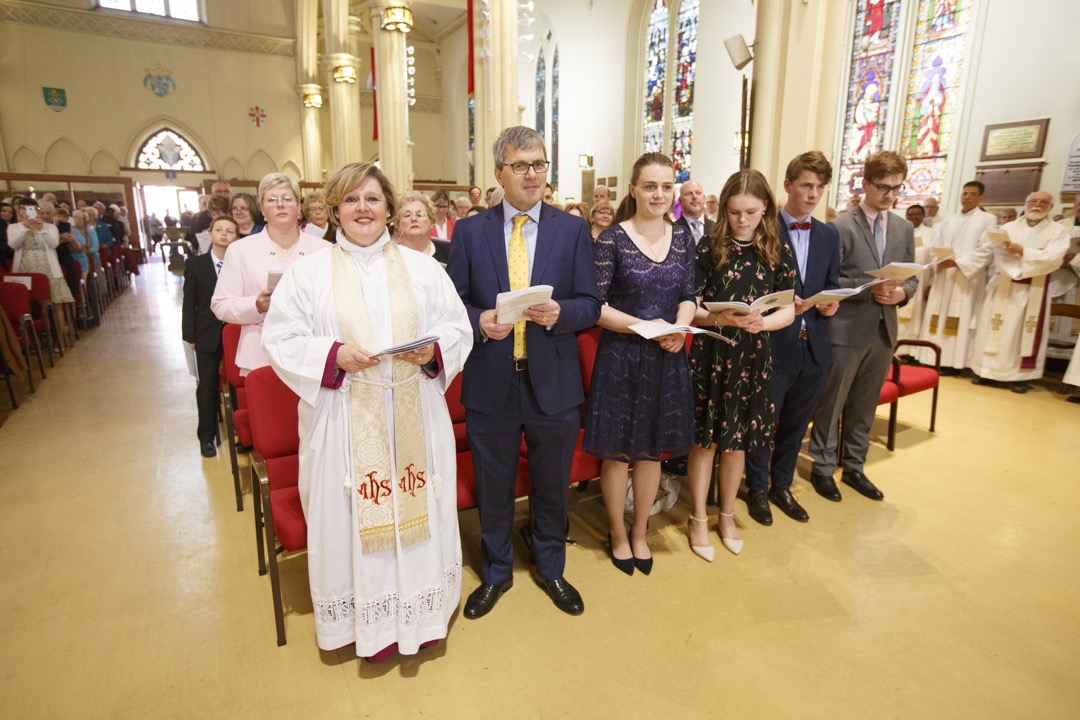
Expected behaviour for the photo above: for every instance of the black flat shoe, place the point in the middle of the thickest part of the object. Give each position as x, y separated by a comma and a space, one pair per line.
626, 565
563, 594
483, 598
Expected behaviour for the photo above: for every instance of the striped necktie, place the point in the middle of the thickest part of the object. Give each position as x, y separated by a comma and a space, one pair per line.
519, 276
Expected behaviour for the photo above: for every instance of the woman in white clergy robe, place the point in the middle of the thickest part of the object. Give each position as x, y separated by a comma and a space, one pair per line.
378, 468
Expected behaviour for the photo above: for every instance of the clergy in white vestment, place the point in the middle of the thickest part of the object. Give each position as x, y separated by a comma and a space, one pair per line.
909, 316
957, 284
1010, 343
1072, 373
378, 462
1064, 289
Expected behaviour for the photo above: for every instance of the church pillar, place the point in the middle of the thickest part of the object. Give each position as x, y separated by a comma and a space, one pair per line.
797, 64
495, 80
311, 93
344, 92
391, 97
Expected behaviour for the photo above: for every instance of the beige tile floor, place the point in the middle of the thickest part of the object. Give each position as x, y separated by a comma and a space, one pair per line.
129, 587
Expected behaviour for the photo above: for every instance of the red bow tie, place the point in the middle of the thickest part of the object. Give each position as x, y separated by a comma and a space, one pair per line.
800, 226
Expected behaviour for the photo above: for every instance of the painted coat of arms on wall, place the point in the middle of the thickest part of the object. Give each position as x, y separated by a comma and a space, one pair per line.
55, 98
159, 81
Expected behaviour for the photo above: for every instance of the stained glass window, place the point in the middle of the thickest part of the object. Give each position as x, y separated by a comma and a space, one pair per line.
554, 175
873, 51
178, 9
656, 37
933, 85
168, 150
541, 94
682, 127
472, 138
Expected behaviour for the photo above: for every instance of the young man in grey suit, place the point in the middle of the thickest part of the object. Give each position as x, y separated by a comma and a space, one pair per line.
864, 328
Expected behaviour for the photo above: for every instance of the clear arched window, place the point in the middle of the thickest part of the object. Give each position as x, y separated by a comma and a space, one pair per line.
168, 150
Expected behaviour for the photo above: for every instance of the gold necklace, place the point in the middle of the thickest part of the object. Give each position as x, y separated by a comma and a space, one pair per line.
648, 243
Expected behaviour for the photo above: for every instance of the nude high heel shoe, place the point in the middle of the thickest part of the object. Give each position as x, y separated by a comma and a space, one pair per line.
705, 552
735, 546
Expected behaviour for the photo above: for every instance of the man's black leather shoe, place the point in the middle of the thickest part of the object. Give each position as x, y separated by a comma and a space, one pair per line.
862, 485
484, 598
563, 594
784, 500
757, 504
825, 486
208, 449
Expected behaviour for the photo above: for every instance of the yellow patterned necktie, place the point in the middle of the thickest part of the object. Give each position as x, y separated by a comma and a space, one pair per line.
519, 276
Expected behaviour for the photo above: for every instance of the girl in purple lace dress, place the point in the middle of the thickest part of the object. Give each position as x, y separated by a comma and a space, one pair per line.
640, 395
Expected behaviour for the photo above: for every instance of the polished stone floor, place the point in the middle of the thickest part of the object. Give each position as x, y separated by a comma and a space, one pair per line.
129, 583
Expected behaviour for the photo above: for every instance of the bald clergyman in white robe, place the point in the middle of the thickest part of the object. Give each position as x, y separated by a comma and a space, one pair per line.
407, 593
1010, 344
956, 292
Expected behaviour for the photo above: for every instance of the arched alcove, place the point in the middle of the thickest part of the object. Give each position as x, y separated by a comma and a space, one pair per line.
290, 168
260, 164
26, 160
154, 127
64, 158
232, 169
103, 163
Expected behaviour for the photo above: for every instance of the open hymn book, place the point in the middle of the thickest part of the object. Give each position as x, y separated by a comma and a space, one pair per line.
763, 303
650, 330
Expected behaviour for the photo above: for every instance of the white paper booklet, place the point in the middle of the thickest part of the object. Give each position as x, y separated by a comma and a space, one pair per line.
763, 303
272, 279
510, 306
945, 253
997, 238
902, 271
650, 330
408, 346
838, 294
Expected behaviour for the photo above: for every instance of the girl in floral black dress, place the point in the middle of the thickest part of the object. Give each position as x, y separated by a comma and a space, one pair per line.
743, 260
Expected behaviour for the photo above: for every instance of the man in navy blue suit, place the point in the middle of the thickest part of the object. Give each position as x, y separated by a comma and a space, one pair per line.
802, 351
529, 384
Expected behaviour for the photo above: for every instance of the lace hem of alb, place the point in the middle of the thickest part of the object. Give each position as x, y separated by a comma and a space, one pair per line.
343, 611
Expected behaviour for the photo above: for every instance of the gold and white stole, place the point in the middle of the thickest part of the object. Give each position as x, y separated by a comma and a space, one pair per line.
948, 275
1040, 235
378, 514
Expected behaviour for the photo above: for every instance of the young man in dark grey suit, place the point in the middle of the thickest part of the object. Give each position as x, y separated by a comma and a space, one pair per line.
524, 380
802, 351
864, 328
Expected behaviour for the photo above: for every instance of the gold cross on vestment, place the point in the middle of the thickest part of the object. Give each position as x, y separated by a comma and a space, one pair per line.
995, 322
1029, 325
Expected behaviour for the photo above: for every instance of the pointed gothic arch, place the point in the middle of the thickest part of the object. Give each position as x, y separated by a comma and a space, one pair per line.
141, 139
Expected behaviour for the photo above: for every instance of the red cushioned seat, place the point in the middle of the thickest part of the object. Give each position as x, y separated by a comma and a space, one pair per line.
235, 400
911, 379
289, 526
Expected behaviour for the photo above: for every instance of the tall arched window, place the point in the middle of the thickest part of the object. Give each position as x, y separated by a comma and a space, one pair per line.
873, 49
937, 63
168, 150
930, 78
541, 92
668, 92
555, 120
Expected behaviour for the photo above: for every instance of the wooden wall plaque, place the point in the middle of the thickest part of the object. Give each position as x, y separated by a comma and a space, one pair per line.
1009, 184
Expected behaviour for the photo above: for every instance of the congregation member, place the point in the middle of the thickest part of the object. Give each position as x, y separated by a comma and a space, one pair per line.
243, 295
316, 216
414, 219
34, 242
692, 200
909, 315
600, 194
523, 378
461, 208
487, 196
640, 401
217, 206
802, 351
201, 220
101, 227
864, 328
202, 329
84, 250
580, 210
475, 194
443, 225
712, 208
1010, 344
1006, 216
549, 194
743, 260
601, 217
386, 580
245, 212
957, 284
7, 217
50, 213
